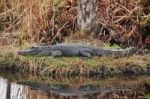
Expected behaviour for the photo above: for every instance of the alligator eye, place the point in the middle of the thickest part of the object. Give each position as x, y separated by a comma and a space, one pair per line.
32, 47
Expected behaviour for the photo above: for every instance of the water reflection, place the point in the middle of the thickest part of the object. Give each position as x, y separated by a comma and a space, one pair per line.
19, 91
39, 89
29, 90
3, 88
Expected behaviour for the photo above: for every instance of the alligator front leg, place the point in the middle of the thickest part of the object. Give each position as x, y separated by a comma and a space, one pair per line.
86, 53
55, 54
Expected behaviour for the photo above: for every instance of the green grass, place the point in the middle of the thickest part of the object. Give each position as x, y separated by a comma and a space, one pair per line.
62, 65
146, 96
114, 46
9, 54
147, 19
68, 61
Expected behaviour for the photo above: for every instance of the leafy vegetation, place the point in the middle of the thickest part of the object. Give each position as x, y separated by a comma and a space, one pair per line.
146, 96
48, 21
114, 46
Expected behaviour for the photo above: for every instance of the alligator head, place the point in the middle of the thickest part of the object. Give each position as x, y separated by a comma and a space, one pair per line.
34, 51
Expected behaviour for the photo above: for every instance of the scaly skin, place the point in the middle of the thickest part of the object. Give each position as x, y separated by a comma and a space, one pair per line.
73, 49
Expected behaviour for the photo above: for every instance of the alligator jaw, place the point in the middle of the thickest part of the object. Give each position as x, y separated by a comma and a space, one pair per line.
26, 52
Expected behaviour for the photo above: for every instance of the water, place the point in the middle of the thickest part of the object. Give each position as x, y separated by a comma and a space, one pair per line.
18, 86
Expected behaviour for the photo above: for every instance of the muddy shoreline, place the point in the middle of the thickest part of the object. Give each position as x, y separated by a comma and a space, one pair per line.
76, 70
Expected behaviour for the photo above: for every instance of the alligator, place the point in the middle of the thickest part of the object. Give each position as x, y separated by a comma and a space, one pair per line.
73, 49
67, 90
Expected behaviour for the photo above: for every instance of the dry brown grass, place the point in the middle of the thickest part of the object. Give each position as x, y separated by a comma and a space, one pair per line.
42, 20
27, 16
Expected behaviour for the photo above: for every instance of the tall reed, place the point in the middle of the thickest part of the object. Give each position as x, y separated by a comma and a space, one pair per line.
26, 16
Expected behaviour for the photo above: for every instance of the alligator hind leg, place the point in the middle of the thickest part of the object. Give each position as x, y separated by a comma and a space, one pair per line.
86, 53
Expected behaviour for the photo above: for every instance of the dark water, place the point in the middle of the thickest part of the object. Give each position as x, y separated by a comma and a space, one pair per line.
18, 86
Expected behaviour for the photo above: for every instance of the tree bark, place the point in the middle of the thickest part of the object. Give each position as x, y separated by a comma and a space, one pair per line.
86, 18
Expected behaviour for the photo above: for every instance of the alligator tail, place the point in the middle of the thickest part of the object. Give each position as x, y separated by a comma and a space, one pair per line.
117, 52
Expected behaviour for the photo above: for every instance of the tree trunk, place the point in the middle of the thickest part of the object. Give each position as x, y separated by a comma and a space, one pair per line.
86, 18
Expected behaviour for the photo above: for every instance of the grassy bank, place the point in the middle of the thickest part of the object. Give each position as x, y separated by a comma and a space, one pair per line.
52, 21
73, 66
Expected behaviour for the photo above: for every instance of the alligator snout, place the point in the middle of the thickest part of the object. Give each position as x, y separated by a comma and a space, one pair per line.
24, 52
20, 52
